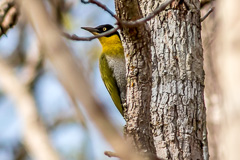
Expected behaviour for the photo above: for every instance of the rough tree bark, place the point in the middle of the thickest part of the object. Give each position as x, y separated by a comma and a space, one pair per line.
138, 59
178, 111
165, 103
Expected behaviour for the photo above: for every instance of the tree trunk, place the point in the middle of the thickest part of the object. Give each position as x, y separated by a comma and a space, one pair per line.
165, 105
138, 62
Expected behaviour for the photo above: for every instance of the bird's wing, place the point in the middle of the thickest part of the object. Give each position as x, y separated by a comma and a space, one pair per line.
110, 82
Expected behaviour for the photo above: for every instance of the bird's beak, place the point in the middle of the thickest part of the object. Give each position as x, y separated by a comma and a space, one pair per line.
92, 30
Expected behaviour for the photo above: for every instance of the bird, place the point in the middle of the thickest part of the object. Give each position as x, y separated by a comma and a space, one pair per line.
112, 64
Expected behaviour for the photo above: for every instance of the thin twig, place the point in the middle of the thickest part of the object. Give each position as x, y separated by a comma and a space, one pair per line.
207, 14
111, 154
130, 23
120, 22
150, 16
77, 38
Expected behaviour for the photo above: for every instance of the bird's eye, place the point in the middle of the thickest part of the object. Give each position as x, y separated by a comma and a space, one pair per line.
104, 29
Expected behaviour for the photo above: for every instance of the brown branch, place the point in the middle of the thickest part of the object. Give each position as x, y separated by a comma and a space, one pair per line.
34, 133
77, 38
111, 154
145, 19
8, 15
207, 14
119, 22
131, 23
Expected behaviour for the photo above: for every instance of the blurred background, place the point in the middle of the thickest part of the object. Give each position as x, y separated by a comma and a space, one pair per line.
20, 48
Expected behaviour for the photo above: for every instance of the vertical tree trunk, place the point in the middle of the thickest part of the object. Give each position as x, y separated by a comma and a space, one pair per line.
175, 98
177, 106
138, 60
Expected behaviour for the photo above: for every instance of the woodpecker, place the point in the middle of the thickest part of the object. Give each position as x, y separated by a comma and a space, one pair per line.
112, 64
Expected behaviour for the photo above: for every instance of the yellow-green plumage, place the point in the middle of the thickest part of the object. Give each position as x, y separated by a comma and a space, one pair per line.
112, 65
110, 82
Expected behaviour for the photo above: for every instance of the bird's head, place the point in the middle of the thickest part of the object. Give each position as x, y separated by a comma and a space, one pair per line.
100, 29
106, 40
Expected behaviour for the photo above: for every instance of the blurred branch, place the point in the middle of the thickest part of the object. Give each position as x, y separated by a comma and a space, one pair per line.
20, 152
32, 66
207, 14
228, 64
8, 15
111, 154
58, 7
104, 7
61, 119
78, 113
205, 2
34, 133
18, 56
68, 70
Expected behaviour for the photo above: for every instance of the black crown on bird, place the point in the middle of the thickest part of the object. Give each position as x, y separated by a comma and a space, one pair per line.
101, 29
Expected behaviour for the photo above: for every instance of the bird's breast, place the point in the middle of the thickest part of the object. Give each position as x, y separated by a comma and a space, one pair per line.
117, 65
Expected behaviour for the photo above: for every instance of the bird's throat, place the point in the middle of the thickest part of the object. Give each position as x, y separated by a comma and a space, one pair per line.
112, 45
